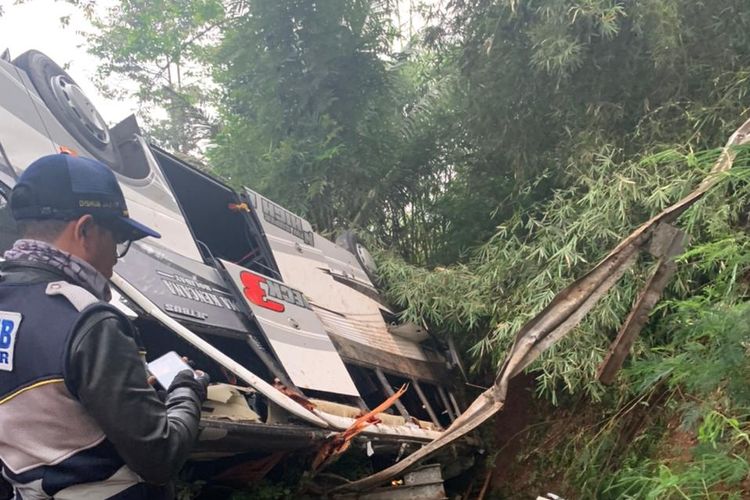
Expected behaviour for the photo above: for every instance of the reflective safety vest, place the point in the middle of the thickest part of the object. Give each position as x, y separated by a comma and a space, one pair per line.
49, 445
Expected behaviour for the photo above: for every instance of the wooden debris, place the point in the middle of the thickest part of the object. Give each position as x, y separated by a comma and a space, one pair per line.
667, 242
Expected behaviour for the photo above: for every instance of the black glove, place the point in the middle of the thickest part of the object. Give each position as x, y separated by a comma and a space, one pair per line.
186, 378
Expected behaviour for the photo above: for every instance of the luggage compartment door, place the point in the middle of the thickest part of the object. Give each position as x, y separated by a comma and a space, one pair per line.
295, 333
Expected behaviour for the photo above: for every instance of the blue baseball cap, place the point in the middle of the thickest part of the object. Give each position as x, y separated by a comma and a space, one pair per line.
65, 187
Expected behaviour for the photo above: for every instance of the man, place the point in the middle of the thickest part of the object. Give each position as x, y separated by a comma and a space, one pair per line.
77, 416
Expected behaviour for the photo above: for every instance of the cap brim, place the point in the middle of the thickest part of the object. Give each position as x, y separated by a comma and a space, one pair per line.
134, 230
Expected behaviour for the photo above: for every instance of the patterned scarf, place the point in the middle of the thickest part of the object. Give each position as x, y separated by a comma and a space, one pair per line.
78, 270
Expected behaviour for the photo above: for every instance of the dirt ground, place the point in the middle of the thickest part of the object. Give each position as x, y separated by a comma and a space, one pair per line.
523, 421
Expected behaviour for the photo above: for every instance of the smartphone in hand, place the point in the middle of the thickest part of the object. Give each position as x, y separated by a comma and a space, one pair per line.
165, 368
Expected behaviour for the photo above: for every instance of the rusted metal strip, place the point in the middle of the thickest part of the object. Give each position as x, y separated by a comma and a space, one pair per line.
339, 443
577, 302
556, 320
648, 298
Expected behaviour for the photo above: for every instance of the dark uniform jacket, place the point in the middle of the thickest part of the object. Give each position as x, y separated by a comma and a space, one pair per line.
77, 416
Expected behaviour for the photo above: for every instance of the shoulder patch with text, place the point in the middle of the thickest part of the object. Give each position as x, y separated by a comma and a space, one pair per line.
9, 323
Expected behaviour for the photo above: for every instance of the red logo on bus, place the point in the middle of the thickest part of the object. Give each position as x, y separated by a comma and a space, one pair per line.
256, 291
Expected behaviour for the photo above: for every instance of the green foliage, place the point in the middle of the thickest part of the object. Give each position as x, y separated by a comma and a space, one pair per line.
706, 359
708, 351
431, 148
160, 48
497, 157
676, 427
538, 252
543, 85
303, 86
699, 480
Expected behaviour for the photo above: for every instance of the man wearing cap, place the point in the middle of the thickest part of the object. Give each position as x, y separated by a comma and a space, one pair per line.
77, 416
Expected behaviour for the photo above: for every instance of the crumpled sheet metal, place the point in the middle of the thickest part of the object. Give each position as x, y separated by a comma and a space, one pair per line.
556, 320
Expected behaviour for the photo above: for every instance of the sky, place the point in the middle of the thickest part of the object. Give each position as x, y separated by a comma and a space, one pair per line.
35, 24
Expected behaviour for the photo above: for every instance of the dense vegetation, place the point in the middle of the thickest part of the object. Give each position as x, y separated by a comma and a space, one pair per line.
494, 155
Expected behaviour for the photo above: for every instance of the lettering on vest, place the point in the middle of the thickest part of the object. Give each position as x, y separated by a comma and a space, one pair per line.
9, 323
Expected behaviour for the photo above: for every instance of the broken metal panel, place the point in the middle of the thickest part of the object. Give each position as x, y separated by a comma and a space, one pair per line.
294, 332
425, 483
568, 309
367, 356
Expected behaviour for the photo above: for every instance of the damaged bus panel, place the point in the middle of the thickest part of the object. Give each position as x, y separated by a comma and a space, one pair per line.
290, 325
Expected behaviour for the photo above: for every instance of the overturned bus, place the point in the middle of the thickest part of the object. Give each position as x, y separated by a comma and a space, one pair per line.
287, 323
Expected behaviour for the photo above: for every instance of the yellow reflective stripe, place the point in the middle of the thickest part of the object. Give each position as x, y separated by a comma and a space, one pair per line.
32, 386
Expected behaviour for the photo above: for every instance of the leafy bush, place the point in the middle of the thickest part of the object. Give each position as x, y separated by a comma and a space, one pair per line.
705, 369
534, 254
